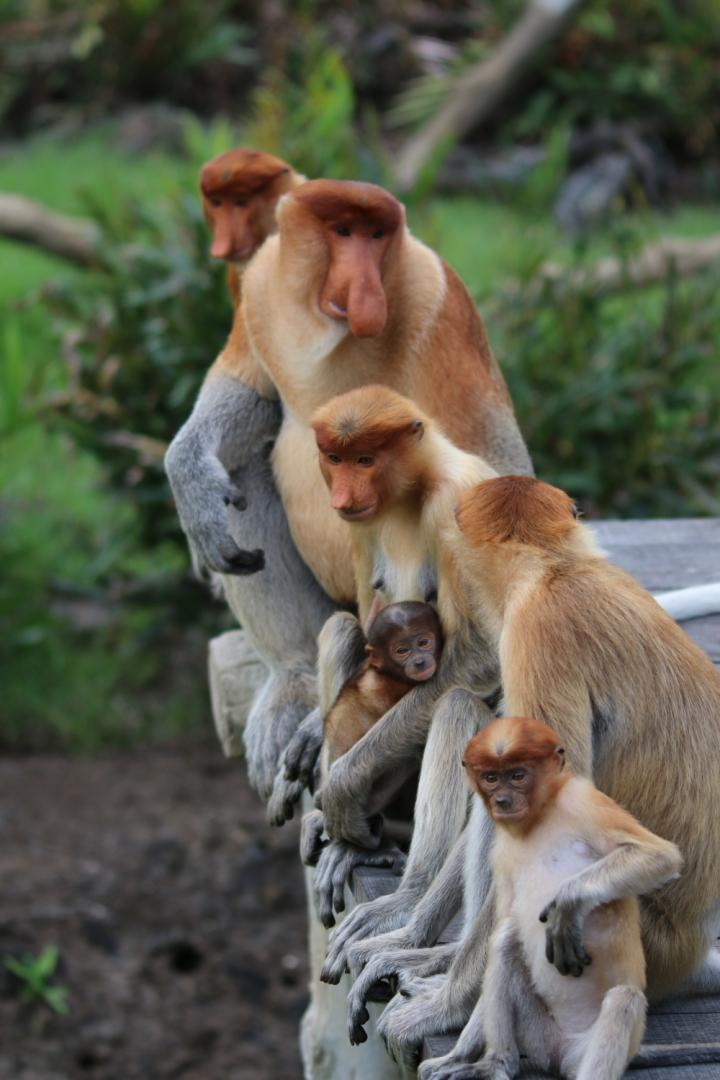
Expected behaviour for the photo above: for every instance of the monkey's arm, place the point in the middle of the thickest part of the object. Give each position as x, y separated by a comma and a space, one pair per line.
640, 862
235, 418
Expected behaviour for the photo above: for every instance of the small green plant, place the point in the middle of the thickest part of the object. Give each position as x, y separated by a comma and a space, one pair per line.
34, 973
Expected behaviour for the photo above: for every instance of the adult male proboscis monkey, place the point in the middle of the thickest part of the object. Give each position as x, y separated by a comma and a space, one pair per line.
566, 971
636, 703
219, 464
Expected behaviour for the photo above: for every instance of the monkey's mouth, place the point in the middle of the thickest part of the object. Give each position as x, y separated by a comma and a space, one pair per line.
423, 676
509, 815
361, 514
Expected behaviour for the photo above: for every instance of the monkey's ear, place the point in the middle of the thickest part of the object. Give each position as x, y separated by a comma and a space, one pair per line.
371, 653
575, 511
417, 428
560, 751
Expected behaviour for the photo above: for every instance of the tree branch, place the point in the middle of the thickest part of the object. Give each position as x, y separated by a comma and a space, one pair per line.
75, 239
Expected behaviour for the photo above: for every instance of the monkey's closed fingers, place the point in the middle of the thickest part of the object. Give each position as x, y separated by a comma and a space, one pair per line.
311, 842
563, 937
302, 751
374, 976
282, 802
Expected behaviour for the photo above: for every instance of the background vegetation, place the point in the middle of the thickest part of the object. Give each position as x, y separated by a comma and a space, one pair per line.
107, 110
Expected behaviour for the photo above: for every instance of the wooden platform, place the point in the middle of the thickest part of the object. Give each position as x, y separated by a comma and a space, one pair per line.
683, 1036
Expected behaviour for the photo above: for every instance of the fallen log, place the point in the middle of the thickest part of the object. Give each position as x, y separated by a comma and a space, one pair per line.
72, 238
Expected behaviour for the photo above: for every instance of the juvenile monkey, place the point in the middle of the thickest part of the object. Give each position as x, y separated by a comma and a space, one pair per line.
568, 864
404, 642
636, 703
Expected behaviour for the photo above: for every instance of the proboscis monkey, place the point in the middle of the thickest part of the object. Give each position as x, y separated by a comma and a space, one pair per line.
565, 978
396, 479
240, 189
404, 641
220, 472
344, 296
636, 703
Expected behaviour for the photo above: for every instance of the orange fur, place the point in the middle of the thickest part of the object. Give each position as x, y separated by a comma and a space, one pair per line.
431, 347
637, 704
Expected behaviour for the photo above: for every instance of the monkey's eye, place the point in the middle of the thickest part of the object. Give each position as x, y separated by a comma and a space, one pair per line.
343, 230
490, 778
366, 460
518, 775
424, 643
216, 202
241, 202
378, 234
402, 650
334, 459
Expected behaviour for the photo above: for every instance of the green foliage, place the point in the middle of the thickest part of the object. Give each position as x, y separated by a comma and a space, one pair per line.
619, 399
304, 111
111, 51
34, 973
137, 339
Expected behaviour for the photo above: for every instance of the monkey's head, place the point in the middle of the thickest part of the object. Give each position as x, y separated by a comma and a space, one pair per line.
368, 440
354, 226
240, 189
515, 766
516, 509
405, 640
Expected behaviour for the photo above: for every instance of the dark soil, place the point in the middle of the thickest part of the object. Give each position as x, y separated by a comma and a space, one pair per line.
179, 916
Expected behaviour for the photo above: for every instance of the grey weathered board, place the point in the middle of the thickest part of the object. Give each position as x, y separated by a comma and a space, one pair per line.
683, 1036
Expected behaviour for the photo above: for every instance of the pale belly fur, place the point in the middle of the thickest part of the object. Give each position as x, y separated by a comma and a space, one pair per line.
576, 1001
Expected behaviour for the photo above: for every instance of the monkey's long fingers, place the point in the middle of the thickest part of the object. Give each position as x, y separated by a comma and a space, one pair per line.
281, 804
302, 751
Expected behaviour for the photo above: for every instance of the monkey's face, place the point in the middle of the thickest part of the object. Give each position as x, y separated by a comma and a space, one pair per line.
239, 223
507, 793
413, 656
355, 481
357, 224
240, 190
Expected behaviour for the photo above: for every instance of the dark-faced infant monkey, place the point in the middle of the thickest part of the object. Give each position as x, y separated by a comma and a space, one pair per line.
403, 647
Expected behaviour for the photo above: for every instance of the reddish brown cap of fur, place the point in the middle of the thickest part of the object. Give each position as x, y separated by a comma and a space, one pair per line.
365, 419
240, 171
508, 741
517, 508
340, 201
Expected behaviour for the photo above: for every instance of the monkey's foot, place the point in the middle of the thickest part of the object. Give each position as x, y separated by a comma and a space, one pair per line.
312, 828
492, 1067
386, 966
422, 1007
364, 921
335, 865
284, 797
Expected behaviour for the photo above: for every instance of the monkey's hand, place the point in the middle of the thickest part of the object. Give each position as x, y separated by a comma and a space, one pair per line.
565, 919
335, 866
207, 527
366, 920
345, 815
301, 754
311, 841
380, 973
422, 1007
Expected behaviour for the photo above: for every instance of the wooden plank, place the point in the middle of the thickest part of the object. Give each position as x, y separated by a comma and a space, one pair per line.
664, 554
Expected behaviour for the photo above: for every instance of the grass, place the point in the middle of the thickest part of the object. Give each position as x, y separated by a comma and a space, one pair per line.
59, 527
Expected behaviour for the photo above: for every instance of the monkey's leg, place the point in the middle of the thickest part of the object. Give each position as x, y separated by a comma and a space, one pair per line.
613, 1039
441, 811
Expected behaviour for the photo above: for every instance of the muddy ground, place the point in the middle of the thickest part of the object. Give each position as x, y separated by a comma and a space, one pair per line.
179, 916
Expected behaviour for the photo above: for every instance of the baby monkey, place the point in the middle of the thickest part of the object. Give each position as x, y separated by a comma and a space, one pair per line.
403, 647
568, 865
